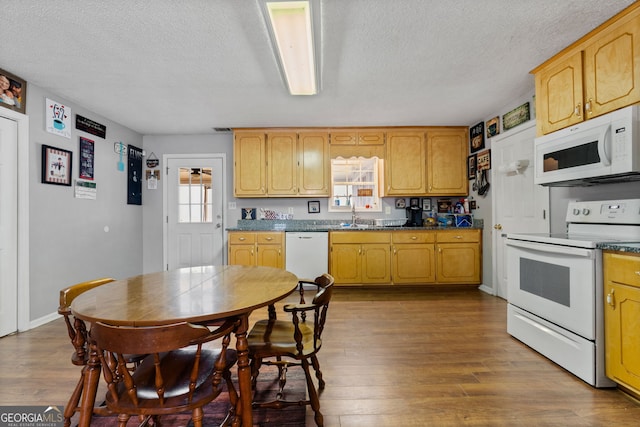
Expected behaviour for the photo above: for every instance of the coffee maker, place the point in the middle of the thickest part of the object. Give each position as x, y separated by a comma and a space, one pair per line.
414, 216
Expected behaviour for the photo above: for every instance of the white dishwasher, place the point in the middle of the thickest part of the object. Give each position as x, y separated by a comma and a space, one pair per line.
307, 253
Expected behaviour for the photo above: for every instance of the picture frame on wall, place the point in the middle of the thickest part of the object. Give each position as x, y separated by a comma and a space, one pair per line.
493, 127
13, 92
476, 137
313, 206
483, 161
471, 166
56, 166
426, 204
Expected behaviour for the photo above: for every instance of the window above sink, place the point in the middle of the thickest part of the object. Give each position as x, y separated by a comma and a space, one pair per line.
356, 182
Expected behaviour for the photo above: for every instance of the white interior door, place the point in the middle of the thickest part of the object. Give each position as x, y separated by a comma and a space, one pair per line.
8, 226
520, 206
194, 208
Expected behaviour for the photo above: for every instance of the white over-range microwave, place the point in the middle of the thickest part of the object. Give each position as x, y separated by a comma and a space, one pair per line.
600, 150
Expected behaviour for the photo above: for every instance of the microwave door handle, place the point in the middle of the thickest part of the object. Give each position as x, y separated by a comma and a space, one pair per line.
547, 248
604, 146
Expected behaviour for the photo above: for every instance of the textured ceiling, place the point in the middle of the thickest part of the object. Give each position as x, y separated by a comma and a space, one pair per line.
184, 67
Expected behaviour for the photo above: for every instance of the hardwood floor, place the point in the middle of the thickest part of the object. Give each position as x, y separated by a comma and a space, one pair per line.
391, 357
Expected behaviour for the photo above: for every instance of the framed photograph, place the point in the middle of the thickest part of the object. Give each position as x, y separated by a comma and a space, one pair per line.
476, 137
426, 204
471, 166
401, 203
313, 206
484, 161
493, 127
414, 201
444, 205
56, 166
13, 92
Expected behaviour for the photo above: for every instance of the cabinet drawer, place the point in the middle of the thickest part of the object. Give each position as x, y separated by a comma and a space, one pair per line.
269, 237
241, 237
413, 237
457, 236
622, 268
359, 237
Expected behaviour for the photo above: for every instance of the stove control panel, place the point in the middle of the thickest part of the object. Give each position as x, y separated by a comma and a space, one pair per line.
605, 212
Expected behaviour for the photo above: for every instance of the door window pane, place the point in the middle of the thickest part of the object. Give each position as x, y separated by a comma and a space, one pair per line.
194, 195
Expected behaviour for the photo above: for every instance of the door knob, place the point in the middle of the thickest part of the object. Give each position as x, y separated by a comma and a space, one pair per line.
498, 226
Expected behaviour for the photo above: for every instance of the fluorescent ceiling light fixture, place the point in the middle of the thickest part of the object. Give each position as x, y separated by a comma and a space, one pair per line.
290, 25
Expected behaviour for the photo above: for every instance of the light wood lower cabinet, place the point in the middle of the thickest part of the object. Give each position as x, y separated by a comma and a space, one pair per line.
458, 256
622, 319
413, 258
264, 248
424, 257
360, 257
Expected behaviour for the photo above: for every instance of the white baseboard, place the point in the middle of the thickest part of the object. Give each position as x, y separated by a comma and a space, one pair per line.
487, 289
43, 320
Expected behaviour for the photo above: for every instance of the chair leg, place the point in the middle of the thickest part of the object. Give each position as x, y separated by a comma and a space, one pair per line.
255, 371
316, 367
74, 400
313, 394
123, 419
197, 416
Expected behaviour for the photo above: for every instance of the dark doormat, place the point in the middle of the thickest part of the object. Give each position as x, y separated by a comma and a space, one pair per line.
216, 411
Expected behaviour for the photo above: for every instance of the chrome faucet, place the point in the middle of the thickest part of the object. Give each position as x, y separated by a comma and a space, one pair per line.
354, 218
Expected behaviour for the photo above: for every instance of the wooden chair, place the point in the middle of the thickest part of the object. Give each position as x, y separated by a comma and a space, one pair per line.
77, 331
178, 375
293, 342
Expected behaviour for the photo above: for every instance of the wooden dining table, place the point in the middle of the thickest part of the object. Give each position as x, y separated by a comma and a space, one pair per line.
196, 294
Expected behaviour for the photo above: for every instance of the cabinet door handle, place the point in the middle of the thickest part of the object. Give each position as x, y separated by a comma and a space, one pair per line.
587, 106
637, 273
578, 110
610, 299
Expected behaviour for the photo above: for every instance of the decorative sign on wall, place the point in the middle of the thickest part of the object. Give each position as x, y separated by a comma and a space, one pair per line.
89, 126
58, 118
476, 137
493, 127
13, 92
86, 159
134, 183
516, 116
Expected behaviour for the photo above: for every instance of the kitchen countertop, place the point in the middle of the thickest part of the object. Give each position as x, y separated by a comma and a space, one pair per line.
621, 247
331, 225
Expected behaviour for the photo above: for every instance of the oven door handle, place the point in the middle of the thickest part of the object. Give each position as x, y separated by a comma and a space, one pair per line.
547, 248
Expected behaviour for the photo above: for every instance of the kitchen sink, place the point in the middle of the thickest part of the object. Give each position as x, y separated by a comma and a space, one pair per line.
354, 226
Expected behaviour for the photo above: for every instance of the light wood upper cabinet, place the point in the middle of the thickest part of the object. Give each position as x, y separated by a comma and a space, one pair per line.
559, 95
357, 136
622, 318
282, 163
612, 69
405, 163
250, 167
597, 74
447, 162
314, 164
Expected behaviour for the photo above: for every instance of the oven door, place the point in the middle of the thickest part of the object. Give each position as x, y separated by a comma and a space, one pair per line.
556, 283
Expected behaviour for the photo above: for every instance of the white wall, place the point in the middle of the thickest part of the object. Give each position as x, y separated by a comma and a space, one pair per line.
67, 240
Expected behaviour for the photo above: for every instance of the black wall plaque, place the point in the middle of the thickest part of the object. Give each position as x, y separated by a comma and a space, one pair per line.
89, 126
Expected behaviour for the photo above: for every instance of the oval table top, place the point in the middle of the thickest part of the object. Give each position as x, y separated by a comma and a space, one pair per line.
194, 294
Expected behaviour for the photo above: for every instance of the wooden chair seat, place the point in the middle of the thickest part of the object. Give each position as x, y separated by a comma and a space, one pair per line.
293, 342
178, 374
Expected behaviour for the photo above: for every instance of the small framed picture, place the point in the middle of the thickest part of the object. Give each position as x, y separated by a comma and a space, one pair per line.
401, 203
13, 92
493, 127
249, 213
414, 201
471, 166
313, 206
426, 204
56, 166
